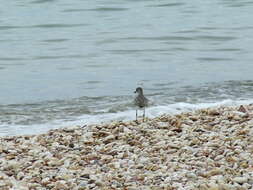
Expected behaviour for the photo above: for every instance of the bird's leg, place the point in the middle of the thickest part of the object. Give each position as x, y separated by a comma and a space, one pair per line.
136, 115
144, 114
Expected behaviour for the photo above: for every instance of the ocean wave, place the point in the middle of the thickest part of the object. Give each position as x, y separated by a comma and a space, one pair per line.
87, 119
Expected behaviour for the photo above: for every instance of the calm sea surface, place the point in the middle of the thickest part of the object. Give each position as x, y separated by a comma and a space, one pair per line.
78, 62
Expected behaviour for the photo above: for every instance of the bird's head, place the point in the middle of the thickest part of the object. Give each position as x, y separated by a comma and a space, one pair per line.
138, 90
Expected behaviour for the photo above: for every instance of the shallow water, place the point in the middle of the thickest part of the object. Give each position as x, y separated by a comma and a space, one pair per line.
79, 62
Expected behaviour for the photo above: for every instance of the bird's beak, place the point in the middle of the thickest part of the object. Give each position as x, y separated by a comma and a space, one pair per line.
135, 91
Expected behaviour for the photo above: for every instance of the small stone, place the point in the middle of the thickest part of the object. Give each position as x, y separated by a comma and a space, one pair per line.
45, 181
243, 109
219, 157
61, 185
70, 129
71, 145
126, 130
106, 158
20, 175
191, 175
109, 139
213, 186
240, 180
215, 171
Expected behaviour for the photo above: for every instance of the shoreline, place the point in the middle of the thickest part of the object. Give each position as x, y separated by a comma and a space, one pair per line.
208, 149
105, 118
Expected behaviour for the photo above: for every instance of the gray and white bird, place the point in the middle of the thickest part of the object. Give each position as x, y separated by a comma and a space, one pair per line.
140, 101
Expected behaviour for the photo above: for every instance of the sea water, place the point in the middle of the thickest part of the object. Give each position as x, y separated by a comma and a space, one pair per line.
78, 62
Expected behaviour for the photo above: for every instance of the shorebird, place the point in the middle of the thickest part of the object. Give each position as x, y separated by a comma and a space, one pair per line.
141, 101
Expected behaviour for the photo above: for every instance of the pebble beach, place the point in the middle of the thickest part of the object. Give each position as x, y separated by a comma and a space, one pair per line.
208, 149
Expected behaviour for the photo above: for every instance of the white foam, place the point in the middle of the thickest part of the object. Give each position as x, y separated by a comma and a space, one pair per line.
151, 112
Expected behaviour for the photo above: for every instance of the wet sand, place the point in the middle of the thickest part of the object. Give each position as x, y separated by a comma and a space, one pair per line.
209, 149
